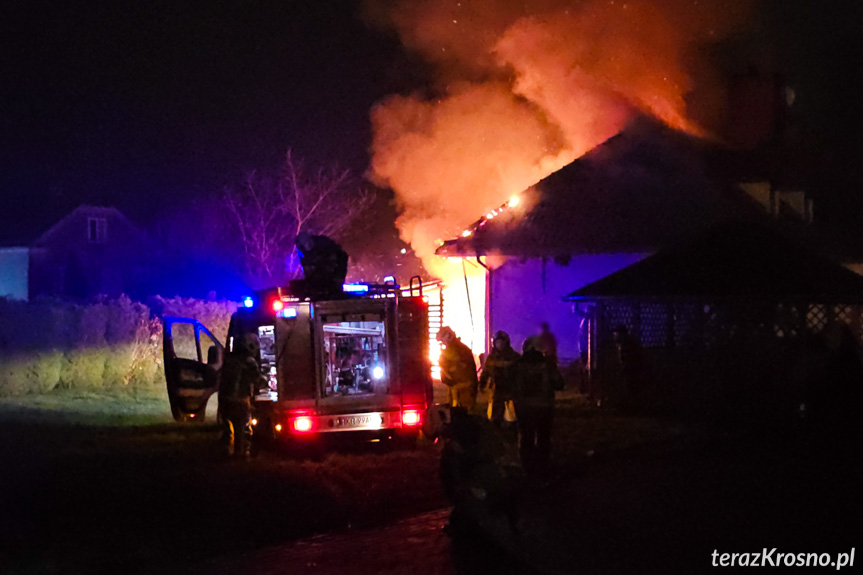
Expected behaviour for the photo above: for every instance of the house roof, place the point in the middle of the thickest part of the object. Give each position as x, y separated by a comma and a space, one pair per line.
86, 211
732, 260
640, 190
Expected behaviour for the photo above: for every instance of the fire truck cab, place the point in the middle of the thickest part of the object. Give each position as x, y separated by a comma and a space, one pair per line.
358, 363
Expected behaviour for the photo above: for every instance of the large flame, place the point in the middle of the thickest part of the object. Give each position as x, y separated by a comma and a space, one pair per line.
463, 299
520, 90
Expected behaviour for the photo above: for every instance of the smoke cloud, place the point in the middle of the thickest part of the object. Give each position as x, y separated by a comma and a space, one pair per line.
523, 88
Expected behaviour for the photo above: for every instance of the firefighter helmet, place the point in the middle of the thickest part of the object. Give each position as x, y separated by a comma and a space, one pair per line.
531, 344
248, 345
502, 335
445, 334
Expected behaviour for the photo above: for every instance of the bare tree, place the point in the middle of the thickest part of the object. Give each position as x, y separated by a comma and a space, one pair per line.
269, 211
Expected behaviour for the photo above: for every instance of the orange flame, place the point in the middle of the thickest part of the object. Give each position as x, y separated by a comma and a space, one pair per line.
522, 89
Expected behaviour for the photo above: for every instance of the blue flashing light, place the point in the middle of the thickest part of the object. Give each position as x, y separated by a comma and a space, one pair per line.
390, 279
249, 302
289, 312
355, 288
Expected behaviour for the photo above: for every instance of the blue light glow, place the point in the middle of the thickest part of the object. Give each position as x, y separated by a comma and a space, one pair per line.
355, 288
390, 279
378, 372
289, 312
248, 302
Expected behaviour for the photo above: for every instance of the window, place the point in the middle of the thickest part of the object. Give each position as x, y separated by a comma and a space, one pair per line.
185, 344
208, 347
267, 337
355, 356
97, 230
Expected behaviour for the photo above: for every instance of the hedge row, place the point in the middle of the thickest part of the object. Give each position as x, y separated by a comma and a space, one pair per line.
109, 345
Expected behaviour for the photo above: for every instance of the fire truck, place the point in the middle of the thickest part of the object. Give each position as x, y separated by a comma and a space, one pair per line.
357, 363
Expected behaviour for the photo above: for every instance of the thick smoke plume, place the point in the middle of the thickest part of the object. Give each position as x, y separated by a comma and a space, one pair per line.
523, 88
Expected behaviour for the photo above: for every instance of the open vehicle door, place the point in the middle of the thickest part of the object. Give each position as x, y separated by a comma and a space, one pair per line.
193, 358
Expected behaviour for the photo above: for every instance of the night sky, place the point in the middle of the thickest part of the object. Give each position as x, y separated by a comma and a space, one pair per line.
146, 104
150, 105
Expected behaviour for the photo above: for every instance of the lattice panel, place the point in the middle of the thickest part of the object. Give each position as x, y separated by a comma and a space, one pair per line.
654, 324
850, 315
693, 324
620, 315
816, 317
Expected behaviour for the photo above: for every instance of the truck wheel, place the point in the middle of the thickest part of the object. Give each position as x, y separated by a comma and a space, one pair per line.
175, 413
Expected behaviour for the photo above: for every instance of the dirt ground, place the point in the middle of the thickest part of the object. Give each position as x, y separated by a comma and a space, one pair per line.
100, 484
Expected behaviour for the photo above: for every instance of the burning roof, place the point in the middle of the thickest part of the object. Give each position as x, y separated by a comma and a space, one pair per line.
638, 191
515, 90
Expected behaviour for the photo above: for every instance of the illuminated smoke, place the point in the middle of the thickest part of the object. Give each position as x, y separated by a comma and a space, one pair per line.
521, 89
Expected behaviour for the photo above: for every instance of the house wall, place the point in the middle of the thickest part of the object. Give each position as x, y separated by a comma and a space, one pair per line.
69, 264
14, 277
527, 292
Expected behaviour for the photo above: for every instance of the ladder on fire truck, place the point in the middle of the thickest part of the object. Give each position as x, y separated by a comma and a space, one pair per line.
433, 293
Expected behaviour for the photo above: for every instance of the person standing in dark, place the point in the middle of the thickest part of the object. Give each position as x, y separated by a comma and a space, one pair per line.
499, 376
630, 368
538, 379
547, 343
458, 370
239, 377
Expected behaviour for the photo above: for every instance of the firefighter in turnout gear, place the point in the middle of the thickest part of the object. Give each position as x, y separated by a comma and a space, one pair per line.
480, 472
239, 377
458, 370
499, 377
538, 379
324, 262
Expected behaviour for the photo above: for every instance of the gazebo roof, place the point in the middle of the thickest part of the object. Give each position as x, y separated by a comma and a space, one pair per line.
732, 261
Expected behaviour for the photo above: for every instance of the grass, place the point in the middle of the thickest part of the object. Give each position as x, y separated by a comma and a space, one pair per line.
109, 483
91, 408
106, 483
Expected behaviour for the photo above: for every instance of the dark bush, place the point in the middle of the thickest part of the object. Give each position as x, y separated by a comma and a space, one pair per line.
107, 345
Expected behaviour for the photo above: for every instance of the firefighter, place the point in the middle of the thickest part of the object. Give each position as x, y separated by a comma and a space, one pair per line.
239, 377
499, 377
325, 264
538, 379
458, 370
480, 471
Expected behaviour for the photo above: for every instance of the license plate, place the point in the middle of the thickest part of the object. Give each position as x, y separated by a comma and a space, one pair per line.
371, 420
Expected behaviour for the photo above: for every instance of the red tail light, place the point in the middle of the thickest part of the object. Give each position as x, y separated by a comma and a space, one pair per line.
411, 417
302, 424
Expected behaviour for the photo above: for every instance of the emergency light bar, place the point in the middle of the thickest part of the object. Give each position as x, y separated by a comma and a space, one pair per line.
278, 299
